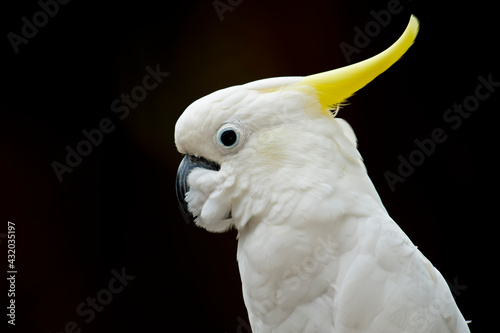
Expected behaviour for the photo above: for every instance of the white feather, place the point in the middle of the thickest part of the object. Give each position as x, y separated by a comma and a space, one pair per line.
317, 250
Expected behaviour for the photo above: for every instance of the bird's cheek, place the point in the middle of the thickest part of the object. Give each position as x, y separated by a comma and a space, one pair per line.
195, 200
201, 183
209, 200
192, 173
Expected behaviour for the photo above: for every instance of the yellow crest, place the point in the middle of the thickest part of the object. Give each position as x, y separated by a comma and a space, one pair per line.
334, 86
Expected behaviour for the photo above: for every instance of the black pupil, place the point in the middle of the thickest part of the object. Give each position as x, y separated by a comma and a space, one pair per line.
228, 138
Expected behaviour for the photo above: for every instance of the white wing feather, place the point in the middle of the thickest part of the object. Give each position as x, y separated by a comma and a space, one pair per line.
377, 281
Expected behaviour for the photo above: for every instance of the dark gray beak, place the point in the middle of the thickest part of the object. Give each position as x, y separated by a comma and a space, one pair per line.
188, 163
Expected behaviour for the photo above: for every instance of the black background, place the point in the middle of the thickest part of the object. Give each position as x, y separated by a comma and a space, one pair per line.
117, 209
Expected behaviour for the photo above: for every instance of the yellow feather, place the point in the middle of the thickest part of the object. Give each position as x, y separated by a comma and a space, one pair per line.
334, 86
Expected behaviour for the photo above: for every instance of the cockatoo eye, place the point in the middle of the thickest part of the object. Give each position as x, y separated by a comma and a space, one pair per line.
229, 137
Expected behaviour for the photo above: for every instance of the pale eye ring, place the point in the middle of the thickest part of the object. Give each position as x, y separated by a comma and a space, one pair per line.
229, 137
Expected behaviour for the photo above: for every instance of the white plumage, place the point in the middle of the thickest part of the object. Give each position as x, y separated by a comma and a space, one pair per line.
317, 250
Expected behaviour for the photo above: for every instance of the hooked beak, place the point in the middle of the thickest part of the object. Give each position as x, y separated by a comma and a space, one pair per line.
188, 163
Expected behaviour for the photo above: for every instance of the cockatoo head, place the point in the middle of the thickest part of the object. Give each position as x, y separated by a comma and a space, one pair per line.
252, 149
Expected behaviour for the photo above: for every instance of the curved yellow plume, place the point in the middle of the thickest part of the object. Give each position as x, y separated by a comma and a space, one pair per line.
334, 86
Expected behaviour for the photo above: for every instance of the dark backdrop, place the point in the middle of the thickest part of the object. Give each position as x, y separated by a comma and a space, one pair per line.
116, 212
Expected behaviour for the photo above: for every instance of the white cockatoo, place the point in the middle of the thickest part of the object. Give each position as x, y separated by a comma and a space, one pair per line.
317, 250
